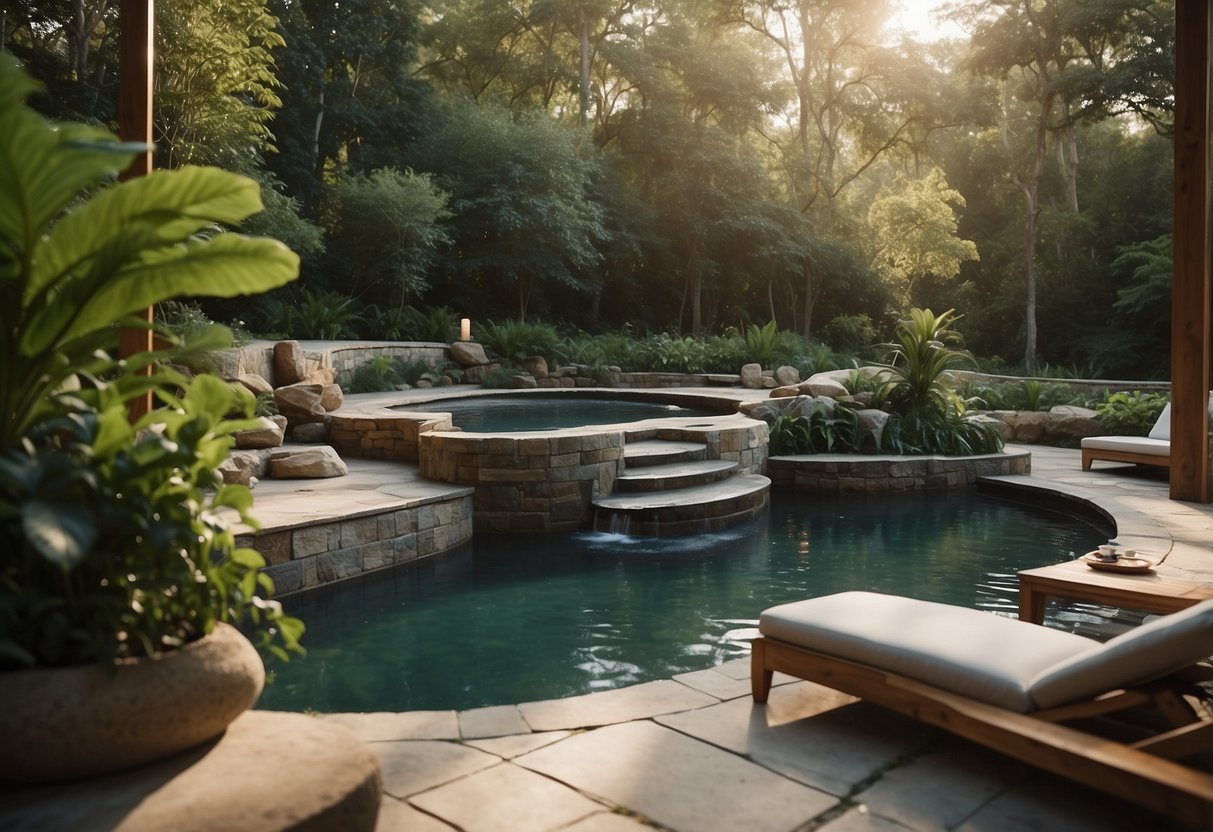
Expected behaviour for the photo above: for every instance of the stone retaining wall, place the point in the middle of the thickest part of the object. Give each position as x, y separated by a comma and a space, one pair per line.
856, 474
383, 435
311, 555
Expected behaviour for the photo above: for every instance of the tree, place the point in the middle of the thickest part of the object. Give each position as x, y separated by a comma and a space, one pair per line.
522, 212
216, 88
914, 227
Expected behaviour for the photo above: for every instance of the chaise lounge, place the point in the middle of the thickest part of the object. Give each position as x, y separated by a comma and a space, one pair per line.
1009, 685
1152, 449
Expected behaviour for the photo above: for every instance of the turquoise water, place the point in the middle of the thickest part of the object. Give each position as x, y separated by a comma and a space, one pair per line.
490, 414
508, 620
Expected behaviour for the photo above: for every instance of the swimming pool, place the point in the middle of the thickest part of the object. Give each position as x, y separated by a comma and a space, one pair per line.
520, 619
522, 412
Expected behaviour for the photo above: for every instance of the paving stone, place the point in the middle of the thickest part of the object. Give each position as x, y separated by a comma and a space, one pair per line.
398, 816
380, 726
1051, 804
715, 684
740, 669
808, 733
861, 820
412, 766
498, 721
941, 789
608, 707
676, 781
510, 747
506, 797
609, 822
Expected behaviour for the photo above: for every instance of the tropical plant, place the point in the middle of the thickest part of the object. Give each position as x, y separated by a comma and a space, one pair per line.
515, 341
761, 342
326, 316
110, 541
1131, 414
789, 434
432, 323
72, 271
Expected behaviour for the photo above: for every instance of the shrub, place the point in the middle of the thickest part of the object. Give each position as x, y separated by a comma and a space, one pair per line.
514, 341
1131, 414
761, 342
850, 333
326, 316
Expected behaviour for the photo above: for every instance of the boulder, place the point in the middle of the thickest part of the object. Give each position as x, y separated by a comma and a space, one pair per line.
751, 377
308, 463
871, 424
785, 392
478, 373
468, 354
822, 384
266, 435
536, 365
523, 381
806, 406
1028, 426
290, 364
300, 403
331, 397
310, 433
243, 468
787, 375
321, 375
1069, 422
424, 384
254, 383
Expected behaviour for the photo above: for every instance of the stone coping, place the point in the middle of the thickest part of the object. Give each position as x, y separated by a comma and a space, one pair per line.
890, 474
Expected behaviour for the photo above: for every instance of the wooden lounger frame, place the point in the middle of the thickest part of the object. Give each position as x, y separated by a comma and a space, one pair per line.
1142, 772
1089, 455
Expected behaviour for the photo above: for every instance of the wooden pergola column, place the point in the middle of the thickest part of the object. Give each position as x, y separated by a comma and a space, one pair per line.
1191, 286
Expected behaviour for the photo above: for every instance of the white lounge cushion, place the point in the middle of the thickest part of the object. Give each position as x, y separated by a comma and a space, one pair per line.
972, 653
1162, 428
1161, 646
1128, 444
1002, 661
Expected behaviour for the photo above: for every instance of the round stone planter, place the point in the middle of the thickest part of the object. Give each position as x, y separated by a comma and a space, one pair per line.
68, 723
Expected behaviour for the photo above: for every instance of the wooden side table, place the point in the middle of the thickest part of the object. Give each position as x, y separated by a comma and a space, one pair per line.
1078, 582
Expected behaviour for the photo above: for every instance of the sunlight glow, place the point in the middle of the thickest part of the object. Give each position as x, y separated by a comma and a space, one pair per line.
917, 19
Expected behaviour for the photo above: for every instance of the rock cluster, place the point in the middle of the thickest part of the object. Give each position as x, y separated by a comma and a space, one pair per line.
1063, 423
753, 377
304, 393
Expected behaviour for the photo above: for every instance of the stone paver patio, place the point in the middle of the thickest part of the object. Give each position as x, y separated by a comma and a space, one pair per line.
694, 754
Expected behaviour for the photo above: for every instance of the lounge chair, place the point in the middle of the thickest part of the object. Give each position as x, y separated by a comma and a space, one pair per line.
1152, 449
1008, 684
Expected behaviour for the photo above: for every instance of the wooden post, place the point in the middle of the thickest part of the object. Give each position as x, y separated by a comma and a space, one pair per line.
1191, 288
136, 55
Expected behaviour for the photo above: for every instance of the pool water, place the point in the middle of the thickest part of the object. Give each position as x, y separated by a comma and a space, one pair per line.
508, 620
491, 414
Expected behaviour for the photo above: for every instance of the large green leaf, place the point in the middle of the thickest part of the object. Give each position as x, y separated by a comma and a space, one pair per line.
168, 206
224, 266
61, 532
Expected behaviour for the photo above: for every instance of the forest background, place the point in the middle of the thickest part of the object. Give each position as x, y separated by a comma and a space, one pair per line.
679, 166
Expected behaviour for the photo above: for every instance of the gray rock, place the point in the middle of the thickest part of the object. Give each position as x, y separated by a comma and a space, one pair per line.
266, 435
468, 354
308, 463
787, 375
751, 377
1070, 422
310, 433
523, 381
1029, 426
290, 364
536, 365
822, 384
871, 428
424, 384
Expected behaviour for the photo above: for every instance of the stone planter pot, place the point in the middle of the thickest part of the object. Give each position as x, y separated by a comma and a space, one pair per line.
67, 723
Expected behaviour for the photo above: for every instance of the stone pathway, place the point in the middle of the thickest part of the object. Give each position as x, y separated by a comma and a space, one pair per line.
694, 754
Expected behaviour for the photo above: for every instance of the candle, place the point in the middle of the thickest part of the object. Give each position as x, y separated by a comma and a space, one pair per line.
465, 329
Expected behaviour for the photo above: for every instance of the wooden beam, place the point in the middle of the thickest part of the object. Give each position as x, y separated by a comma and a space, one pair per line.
136, 55
1191, 292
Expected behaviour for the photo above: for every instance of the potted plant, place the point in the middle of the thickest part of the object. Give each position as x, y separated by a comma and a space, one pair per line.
115, 562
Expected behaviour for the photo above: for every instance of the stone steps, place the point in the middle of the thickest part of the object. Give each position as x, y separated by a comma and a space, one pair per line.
662, 452
686, 510
673, 475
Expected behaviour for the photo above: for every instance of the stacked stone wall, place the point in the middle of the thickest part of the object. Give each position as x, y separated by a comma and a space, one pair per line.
383, 435
311, 555
853, 474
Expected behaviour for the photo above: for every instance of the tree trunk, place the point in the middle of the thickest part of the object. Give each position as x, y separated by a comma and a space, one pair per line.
808, 300
585, 66
1067, 157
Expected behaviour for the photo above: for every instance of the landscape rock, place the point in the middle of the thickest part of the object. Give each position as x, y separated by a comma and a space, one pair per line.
307, 463
267, 435
243, 468
787, 375
310, 433
300, 403
785, 392
536, 365
523, 381
751, 377
822, 384
476, 374
331, 397
254, 383
290, 364
871, 424
1067, 421
468, 354
321, 375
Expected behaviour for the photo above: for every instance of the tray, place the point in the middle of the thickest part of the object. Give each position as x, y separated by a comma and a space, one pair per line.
1125, 564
